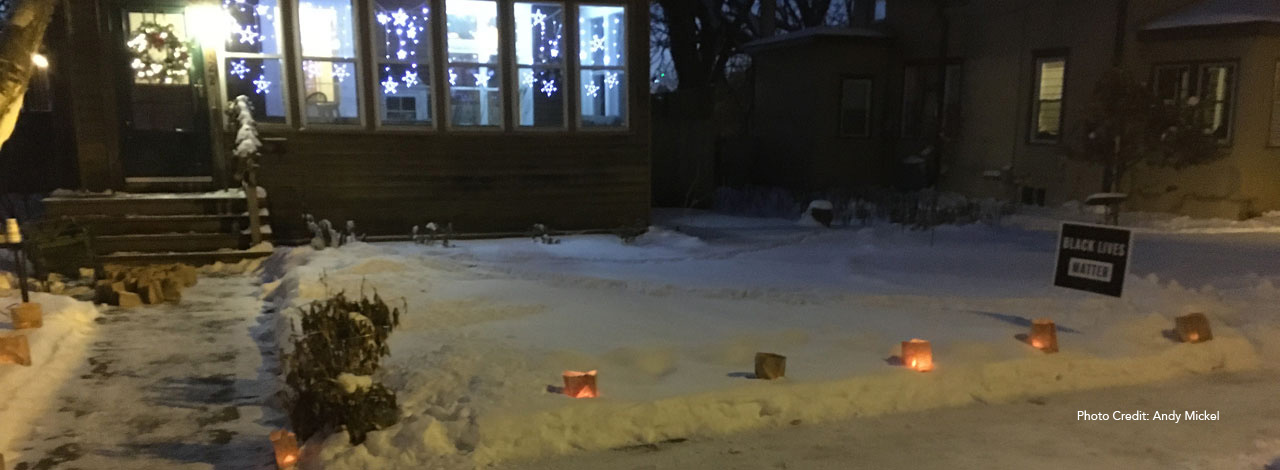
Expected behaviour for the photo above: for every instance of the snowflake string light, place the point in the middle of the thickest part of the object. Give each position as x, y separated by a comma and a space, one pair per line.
540, 19
597, 43
389, 86
611, 79
482, 79
383, 18
592, 89
262, 10
238, 69
549, 87
410, 78
527, 78
555, 47
340, 72
453, 77
248, 35
401, 54
262, 85
400, 18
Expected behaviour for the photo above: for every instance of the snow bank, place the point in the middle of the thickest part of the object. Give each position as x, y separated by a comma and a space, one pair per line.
1050, 219
491, 324
58, 350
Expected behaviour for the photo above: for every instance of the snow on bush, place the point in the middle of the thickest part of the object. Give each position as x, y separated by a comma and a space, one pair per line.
329, 368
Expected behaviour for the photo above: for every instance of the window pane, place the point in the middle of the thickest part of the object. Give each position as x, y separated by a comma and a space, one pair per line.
402, 47
1216, 82
260, 81
1049, 120
541, 100
401, 32
600, 36
604, 98
254, 26
1051, 79
474, 98
539, 27
330, 92
400, 85
855, 107
473, 31
325, 28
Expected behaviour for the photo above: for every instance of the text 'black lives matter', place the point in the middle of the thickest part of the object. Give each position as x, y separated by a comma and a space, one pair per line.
1093, 258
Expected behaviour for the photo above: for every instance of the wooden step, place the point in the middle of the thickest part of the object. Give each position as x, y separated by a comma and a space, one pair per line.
166, 243
73, 207
195, 258
161, 224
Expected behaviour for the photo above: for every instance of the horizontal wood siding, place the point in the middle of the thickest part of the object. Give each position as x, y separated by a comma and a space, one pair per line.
500, 182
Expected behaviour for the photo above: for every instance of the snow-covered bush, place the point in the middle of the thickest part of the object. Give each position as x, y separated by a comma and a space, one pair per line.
917, 209
323, 235
329, 371
541, 234
431, 233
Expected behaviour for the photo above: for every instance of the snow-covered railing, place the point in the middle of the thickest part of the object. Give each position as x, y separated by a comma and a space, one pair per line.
247, 149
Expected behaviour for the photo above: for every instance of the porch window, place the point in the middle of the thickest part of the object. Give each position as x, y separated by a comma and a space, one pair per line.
540, 64
602, 58
1046, 113
475, 81
252, 57
402, 47
329, 77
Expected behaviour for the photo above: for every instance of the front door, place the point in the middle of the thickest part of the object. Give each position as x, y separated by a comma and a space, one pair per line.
164, 114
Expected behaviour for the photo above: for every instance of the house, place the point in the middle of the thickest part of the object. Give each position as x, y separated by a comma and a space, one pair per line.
491, 115
1017, 77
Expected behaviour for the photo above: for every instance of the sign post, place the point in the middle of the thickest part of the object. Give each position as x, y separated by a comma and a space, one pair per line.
1093, 258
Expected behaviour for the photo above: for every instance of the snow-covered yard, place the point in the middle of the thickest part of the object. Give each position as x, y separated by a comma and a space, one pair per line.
672, 322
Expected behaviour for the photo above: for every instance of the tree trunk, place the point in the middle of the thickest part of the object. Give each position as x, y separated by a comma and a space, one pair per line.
944, 49
19, 41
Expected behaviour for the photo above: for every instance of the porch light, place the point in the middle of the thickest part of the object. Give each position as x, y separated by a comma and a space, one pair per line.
208, 24
39, 60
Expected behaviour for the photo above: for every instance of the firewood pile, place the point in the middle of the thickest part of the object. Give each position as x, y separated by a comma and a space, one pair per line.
131, 286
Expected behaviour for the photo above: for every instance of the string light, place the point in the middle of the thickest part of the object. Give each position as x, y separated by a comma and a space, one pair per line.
239, 69
549, 87
262, 85
389, 86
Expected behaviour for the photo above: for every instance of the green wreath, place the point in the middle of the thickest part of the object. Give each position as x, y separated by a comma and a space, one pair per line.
158, 55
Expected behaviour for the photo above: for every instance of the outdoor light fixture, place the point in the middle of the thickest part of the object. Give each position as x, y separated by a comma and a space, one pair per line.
770, 366
39, 60
15, 350
286, 447
1193, 328
917, 355
580, 384
208, 24
1044, 335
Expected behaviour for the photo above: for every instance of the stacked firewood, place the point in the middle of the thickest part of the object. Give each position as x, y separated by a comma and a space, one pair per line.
131, 286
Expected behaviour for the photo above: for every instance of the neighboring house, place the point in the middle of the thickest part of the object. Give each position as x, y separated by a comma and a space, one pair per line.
1019, 75
490, 114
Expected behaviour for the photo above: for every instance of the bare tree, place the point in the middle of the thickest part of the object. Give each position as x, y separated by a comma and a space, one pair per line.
19, 42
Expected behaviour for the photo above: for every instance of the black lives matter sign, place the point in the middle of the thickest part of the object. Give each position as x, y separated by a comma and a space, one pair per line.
1093, 258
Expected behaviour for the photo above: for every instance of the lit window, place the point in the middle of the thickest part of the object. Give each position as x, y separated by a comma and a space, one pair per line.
252, 58
602, 57
881, 10
329, 75
1046, 117
475, 83
855, 107
402, 48
540, 61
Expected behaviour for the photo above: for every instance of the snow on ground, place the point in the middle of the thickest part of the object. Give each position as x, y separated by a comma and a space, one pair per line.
673, 320
173, 386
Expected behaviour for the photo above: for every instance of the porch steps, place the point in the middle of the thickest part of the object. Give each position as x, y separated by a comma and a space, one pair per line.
192, 228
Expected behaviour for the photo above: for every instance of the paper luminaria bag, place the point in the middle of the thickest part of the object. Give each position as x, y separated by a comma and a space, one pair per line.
580, 384
917, 354
1193, 328
1044, 335
770, 366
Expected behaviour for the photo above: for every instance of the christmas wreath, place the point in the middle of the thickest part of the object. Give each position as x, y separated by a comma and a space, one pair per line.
158, 55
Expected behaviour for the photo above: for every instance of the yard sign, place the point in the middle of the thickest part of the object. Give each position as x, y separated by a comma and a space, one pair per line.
1093, 258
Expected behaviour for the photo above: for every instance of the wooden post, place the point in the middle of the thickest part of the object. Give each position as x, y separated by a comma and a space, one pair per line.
251, 200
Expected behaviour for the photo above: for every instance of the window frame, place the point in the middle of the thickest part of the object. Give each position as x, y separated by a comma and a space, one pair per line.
576, 69
1039, 58
512, 60
504, 123
300, 80
1195, 88
869, 128
375, 93
284, 11
1272, 140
